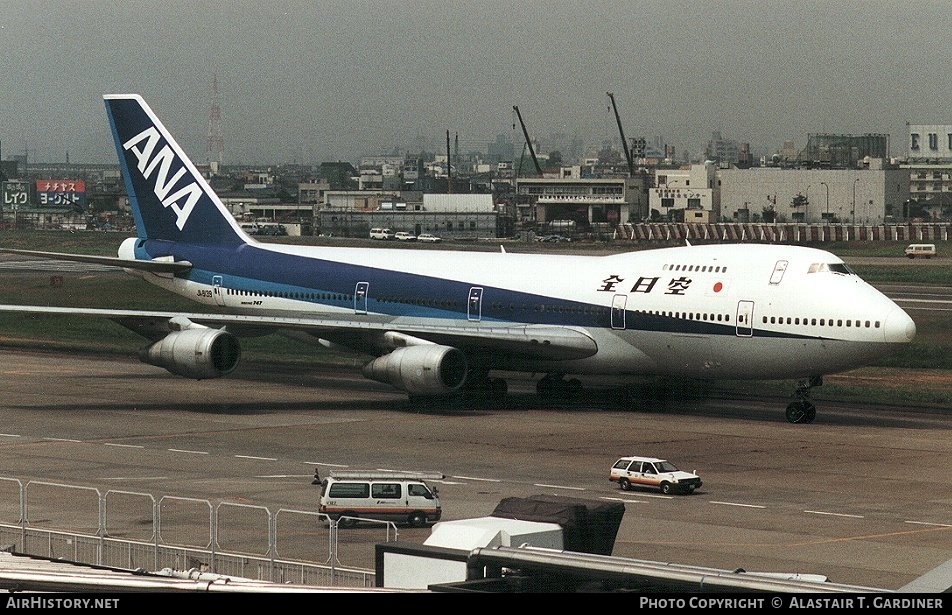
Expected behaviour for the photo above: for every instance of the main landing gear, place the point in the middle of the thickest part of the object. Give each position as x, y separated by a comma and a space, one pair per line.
480, 387
802, 410
552, 386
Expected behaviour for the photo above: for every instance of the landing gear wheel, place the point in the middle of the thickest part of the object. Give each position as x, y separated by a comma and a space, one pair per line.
795, 412
483, 390
499, 387
801, 411
553, 386
545, 387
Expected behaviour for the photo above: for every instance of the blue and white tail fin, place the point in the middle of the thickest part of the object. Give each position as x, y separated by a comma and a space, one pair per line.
170, 199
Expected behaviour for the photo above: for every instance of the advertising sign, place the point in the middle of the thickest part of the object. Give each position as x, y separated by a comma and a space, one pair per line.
15, 195
61, 193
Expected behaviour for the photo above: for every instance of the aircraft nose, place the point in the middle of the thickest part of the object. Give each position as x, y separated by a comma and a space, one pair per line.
899, 327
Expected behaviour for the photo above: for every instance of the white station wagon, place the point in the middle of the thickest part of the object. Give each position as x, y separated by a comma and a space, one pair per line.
653, 472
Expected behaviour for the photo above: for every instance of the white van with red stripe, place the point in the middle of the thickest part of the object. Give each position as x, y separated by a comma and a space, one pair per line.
349, 497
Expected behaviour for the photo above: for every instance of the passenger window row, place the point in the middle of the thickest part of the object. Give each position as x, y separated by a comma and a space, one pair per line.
697, 268
822, 322
690, 315
291, 295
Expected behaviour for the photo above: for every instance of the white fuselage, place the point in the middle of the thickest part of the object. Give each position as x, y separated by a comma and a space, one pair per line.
716, 311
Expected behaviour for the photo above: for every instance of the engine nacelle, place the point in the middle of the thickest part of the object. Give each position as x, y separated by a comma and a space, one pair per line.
425, 369
198, 353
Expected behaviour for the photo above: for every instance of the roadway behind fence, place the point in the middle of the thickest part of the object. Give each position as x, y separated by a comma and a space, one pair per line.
134, 530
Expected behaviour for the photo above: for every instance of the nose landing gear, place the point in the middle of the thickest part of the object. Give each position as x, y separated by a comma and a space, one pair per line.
802, 409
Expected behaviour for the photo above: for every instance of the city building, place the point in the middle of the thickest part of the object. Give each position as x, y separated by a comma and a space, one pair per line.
585, 201
872, 195
460, 216
685, 194
929, 162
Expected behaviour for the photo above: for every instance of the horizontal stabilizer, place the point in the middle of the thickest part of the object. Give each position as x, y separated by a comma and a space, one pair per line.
155, 266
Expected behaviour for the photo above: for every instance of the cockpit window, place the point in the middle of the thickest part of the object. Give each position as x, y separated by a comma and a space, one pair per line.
834, 267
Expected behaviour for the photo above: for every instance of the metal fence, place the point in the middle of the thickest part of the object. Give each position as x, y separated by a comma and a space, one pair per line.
784, 232
134, 530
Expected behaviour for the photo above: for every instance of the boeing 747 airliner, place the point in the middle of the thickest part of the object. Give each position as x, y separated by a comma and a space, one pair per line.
441, 323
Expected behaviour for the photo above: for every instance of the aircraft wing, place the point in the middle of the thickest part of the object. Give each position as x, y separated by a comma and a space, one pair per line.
533, 341
155, 266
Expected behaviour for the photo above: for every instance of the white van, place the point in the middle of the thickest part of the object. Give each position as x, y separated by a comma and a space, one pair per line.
347, 497
381, 233
923, 250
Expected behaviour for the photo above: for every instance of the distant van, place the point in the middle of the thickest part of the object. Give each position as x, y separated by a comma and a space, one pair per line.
347, 497
920, 250
382, 233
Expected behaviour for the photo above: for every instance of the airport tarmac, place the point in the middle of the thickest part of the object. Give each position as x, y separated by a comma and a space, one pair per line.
862, 495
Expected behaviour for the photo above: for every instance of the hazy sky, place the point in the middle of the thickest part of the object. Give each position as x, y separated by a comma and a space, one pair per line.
329, 80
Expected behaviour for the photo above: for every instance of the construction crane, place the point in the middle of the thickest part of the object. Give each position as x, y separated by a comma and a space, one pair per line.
624, 141
535, 160
449, 166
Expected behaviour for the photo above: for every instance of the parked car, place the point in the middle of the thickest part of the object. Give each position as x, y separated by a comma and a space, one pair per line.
404, 236
276, 230
428, 238
653, 472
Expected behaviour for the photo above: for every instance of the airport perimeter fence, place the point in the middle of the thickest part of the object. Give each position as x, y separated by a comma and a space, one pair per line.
784, 232
136, 531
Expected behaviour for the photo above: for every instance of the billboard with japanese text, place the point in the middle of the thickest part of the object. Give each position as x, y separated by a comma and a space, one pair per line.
61, 193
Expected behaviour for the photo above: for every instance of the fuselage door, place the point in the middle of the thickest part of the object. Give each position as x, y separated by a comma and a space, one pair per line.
219, 297
777, 274
745, 318
360, 297
618, 311
474, 307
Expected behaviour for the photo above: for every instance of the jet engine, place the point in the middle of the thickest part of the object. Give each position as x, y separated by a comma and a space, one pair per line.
198, 353
425, 369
